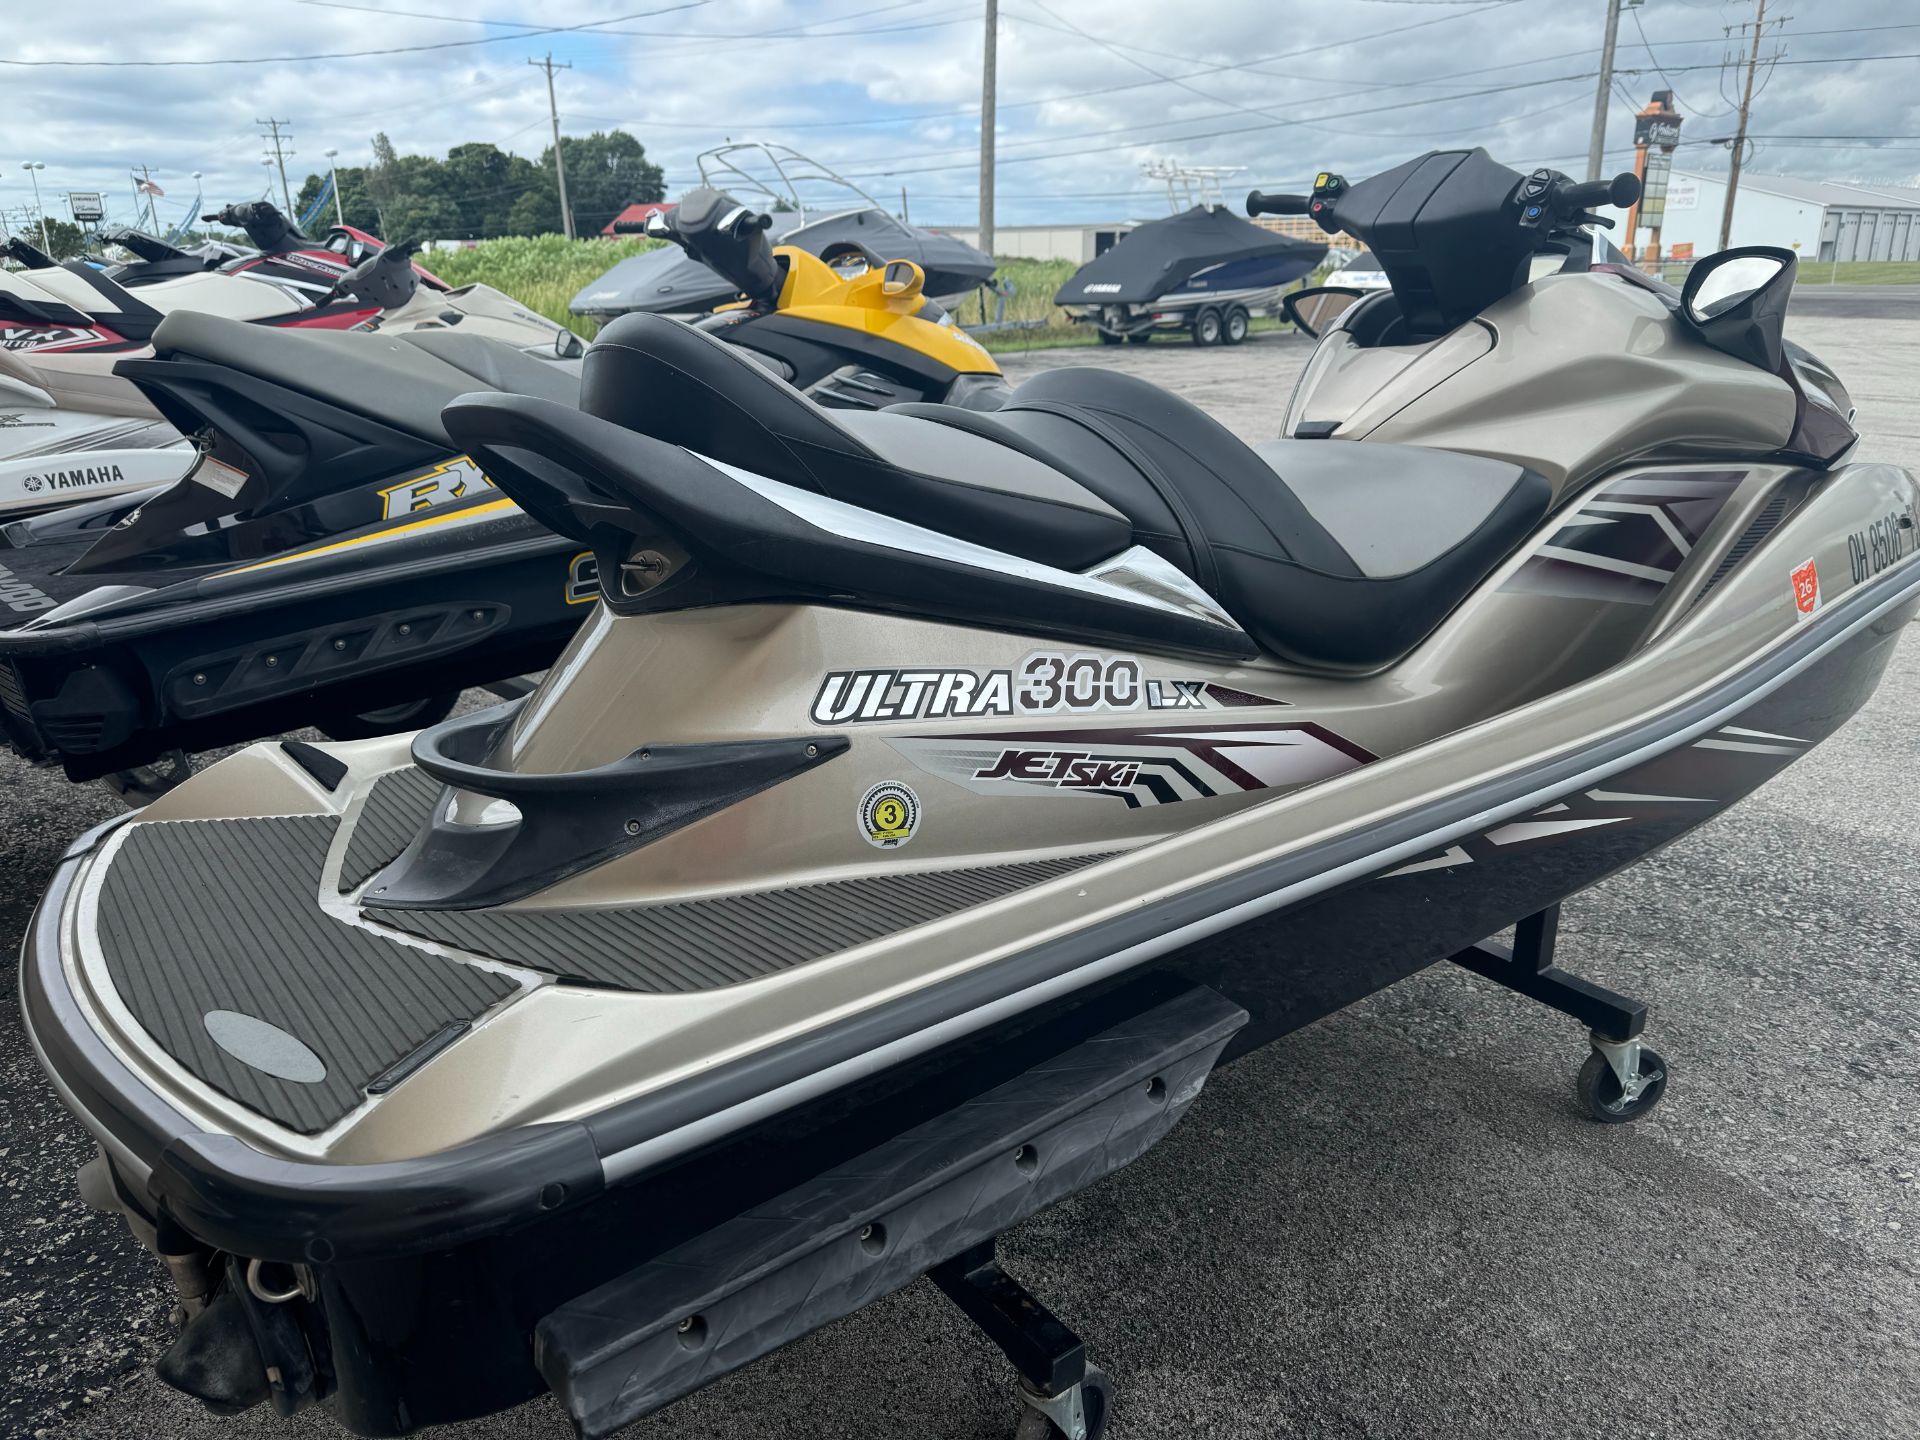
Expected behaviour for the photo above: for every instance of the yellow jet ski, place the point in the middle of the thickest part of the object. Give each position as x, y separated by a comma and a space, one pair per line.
857, 333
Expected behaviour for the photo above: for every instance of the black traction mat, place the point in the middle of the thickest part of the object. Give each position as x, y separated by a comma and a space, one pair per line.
396, 807
215, 923
679, 946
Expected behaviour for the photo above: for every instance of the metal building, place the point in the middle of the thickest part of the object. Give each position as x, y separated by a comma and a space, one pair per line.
1822, 219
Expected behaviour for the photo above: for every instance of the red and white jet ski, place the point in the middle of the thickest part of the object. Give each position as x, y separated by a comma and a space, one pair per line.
71, 430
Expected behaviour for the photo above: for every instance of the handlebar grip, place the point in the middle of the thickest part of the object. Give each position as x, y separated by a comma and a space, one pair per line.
762, 221
1620, 192
1259, 203
629, 227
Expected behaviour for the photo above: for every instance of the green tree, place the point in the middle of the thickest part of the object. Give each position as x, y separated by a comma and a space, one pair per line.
355, 199
66, 239
480, 191
606, 172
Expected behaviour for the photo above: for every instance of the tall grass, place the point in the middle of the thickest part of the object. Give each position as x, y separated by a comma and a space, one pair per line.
542, 272
545, 272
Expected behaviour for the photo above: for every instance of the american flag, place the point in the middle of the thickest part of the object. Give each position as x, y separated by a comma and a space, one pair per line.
147, 187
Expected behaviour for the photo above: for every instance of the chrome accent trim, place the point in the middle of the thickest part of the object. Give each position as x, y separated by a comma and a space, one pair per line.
1155, 578
1140, 583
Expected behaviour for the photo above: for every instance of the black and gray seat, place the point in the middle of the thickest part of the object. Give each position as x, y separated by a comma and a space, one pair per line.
403, 381
1327, 554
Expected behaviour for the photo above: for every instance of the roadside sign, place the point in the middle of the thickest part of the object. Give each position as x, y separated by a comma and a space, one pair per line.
1680, 252
89, 206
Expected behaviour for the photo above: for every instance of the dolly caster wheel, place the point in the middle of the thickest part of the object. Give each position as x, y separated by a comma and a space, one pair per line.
1077, 1413
1621, 1081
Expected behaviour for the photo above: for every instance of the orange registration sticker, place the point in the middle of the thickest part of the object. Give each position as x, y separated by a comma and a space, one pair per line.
1806, 590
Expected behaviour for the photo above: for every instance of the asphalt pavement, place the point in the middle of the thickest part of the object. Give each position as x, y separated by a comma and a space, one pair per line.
1394, 1223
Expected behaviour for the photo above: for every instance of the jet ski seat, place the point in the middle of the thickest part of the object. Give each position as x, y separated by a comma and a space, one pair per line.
1328, 554
400, 380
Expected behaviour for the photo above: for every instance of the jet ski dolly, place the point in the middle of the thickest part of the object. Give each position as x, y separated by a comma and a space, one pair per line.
1063, 1394
926, 1200
1623, 1079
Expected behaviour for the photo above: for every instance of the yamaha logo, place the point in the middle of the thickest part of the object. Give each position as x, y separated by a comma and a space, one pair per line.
34, 484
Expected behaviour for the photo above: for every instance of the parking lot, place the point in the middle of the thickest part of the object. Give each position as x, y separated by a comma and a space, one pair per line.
1395, 1223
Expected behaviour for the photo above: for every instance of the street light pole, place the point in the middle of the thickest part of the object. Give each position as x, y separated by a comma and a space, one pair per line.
339, 211
33, 167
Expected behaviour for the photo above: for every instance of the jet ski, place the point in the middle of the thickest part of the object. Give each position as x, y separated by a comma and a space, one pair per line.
839, 231
935, 797
1203, 271
328, 557
860, 334
71, 430
146, 628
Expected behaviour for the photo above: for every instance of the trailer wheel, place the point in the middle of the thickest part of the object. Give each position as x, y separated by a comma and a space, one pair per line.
1140, 337
1238, 323
414, 715
1107, 337
1207, 328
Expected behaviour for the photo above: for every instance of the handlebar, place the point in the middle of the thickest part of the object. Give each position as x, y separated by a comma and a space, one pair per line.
1620, 192
1259, 203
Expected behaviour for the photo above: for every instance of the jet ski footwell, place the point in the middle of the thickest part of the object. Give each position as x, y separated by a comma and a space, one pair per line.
627, 1246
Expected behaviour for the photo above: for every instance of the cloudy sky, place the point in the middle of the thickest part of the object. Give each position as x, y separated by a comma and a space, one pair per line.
888, 90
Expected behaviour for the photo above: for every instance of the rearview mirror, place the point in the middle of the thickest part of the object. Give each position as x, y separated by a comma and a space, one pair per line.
1736, 301
902, 279
1314, 311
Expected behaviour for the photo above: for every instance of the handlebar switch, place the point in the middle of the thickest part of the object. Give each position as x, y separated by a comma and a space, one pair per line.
1535, 200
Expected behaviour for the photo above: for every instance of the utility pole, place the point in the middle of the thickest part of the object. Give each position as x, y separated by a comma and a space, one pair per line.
559, 162
1597, 143
282, 145
989, 64
1740, 134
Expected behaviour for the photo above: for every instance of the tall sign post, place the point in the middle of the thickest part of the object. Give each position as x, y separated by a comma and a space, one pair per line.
1656, 130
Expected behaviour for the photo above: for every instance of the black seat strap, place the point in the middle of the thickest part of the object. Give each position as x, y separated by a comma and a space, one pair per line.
1198, 545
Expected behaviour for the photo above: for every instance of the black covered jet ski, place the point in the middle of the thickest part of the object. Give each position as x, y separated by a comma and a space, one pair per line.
1203, 270
331, 557
934, 797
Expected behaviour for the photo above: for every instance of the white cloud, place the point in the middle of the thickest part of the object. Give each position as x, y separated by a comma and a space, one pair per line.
1355, 108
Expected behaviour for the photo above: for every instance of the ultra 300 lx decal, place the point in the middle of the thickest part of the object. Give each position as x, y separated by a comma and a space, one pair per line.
1047, 682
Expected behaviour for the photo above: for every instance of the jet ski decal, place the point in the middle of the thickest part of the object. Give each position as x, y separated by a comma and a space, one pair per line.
492, 509
448, 481
76, 479
1138, 767
1047, 682
58, 337
1663, 791
21, 597
1629, 538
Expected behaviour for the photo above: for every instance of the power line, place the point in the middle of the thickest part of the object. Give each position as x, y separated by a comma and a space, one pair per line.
891, 172
348, 54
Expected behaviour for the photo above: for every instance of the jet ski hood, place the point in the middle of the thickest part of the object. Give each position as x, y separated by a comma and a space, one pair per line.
1160, 257
670, 282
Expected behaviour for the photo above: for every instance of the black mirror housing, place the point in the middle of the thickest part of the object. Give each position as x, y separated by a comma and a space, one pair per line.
1752, 327
1309, 303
